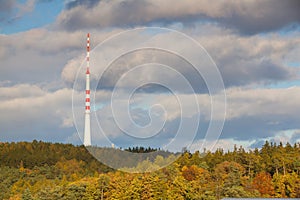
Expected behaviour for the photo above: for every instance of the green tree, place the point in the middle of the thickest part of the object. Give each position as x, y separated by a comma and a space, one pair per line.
229, 179
27, 195
92, 191
103, 184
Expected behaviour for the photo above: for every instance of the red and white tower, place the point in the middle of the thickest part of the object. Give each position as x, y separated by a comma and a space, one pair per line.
87, 122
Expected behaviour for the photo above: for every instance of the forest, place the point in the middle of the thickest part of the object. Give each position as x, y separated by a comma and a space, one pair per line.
42, 171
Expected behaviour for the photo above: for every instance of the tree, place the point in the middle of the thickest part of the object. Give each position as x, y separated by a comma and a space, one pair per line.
178, 189
190, 173
75, 191
63, 171
286, 185
27, 195
103, 183
229, 179
201, 186
263, 183
92, 190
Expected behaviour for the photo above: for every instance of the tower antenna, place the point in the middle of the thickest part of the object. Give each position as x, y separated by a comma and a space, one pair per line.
87, 121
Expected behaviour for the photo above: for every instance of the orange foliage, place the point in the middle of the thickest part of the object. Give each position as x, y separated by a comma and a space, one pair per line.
263, 183
192, 172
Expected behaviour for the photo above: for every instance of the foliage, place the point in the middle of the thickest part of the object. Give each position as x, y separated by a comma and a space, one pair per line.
44, 171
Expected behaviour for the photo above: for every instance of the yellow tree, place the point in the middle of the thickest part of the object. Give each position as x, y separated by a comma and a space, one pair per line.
285, 185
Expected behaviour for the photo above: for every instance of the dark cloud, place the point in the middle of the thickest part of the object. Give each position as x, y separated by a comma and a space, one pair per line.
248, 17
45, 1
127, 62
265, 16
258, 127
236, 73
86, 3
7, 6
236, 70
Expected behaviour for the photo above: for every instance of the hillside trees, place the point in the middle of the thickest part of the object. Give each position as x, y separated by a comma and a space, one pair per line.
43, 171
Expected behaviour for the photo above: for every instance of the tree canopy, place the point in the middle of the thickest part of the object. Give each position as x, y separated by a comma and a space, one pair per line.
40, 171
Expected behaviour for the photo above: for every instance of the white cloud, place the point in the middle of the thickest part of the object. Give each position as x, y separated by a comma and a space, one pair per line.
20, 91
70, 70
38, 114
263, 102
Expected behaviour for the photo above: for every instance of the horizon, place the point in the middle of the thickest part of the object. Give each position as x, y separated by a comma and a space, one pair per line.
231, 149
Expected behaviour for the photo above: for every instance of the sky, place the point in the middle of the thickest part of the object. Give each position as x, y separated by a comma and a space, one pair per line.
254, 46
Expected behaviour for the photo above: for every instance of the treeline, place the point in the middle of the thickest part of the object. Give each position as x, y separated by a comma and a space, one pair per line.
40, 170
38, 153
141, 149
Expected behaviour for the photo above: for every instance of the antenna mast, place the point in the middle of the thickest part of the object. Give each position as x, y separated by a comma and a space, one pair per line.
87, 122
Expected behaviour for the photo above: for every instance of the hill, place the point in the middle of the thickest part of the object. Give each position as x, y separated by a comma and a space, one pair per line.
40, 170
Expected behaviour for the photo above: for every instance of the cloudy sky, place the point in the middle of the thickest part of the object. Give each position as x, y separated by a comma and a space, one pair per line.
254, 44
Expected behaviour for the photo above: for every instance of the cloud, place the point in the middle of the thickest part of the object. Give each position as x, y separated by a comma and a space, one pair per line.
260, 113
38, 114
225, 144
242, 61
38, 55
44, 41
27, 7
255, 59
7, 6
270, 107
248, 17
252, 115
252, 102
39, 59
285, 136
74, 3
20, 91
13, 10
6, 9
296, 136
251, 17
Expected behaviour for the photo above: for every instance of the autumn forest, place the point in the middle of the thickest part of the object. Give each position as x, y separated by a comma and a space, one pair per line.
43, 171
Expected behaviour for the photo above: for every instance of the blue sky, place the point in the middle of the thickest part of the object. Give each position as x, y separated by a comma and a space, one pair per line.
42, 14
256, 50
